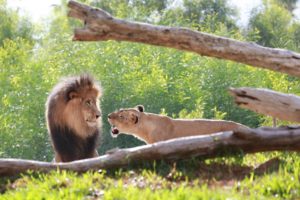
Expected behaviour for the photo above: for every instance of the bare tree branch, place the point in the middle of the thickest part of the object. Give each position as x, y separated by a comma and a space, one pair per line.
100, 25
268, 102
257, 140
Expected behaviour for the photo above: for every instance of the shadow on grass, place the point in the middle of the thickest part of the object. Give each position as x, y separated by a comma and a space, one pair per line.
199, 170
5, 182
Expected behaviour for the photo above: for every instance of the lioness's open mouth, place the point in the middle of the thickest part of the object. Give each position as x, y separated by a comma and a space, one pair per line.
114, 131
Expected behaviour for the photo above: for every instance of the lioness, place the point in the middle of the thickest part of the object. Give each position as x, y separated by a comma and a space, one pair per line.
152, 128
73, 118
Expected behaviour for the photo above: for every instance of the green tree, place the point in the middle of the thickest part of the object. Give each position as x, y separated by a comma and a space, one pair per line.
273, 26
295, 30
290, 5
22, 98
12, 25
141, 10
210, 13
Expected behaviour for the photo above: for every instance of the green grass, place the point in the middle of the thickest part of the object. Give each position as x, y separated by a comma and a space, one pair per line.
220, 178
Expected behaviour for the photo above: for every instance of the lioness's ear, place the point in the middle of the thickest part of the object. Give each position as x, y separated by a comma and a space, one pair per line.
136, 119
73, 95
140, 108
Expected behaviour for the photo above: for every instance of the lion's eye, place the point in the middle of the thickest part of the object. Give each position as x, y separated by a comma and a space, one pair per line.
88, 103
121, 116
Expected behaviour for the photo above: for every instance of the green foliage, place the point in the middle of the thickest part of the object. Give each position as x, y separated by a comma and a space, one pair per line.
197, 112
295, 31
283, 184
290, 5
12, 25
148, 11
210, 12
22, 103
274, 26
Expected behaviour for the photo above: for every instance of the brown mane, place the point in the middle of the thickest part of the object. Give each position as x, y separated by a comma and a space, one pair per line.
73, 118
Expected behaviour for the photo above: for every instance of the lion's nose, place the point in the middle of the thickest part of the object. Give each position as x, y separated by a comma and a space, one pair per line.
98, 114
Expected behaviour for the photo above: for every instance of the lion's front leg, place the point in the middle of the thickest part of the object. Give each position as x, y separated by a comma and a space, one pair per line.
95, 154
57, 158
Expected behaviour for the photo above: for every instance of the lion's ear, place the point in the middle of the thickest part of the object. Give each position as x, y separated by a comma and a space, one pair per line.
140, 108
73, 95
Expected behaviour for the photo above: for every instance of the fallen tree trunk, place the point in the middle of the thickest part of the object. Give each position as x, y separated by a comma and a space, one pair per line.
268, 102
100, 25
255, 140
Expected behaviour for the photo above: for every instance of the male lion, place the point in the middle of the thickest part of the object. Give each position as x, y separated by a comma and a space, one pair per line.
153, 128
74, 118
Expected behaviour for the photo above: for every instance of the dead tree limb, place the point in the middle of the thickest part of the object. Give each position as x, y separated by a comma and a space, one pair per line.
268, 102
100, 25
255, 140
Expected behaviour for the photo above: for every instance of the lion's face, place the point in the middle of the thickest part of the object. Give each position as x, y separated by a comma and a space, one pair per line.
82, 112
124, 120
90, 111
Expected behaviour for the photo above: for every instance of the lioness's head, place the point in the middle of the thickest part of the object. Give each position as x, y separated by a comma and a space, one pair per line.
125, 120
82, 110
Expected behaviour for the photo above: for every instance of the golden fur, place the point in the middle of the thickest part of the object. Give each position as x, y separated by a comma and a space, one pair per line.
154, 128
74, 118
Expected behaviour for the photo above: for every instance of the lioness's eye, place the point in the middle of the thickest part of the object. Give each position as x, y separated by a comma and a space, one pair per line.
121, 116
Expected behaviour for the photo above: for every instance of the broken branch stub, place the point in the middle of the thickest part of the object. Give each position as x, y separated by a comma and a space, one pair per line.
268, 102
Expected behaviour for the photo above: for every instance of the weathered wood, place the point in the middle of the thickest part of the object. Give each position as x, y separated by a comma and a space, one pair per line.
257, 140
100, 25
268, 102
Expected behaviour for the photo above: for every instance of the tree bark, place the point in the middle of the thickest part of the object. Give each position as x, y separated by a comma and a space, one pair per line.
268, 102
100, 25
225, 143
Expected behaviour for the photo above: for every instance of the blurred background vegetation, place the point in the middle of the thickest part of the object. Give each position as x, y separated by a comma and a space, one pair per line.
34, 57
